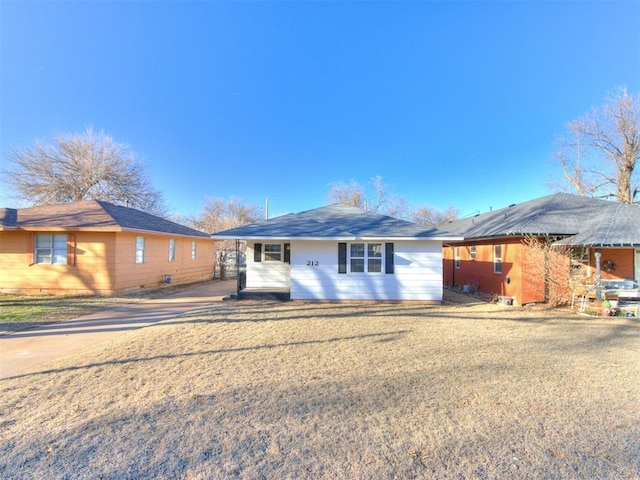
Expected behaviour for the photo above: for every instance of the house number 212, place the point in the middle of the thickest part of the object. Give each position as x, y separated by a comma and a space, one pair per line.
312, 263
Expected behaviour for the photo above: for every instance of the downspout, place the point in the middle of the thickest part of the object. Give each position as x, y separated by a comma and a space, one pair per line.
453, 266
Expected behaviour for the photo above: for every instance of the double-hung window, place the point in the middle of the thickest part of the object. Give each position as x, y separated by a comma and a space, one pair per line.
365, 257
139, 249
374, 257
472, 252
497, 259
357, 258
272, 252
51, 248
172, 249
194, 247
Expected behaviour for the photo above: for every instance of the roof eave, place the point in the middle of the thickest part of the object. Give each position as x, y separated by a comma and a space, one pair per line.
166, 234
335, 238
605, 245
28, 228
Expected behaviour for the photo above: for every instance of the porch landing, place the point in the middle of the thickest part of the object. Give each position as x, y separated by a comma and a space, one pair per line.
277, 294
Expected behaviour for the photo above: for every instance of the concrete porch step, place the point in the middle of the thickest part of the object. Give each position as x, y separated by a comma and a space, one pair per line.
281, 295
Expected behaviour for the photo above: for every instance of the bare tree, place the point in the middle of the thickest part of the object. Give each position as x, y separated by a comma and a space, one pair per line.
432, 217
219, 214
383, 200
379, 200
599, 152
549, 269
87, 166
351, 194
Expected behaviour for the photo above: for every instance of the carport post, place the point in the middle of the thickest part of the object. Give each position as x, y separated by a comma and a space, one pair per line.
237, 268
598, 282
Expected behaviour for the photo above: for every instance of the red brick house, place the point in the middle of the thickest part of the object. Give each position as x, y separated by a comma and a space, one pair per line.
492, 255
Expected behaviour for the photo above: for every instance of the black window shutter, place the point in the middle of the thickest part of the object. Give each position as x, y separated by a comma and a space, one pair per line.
257, 252
388, 260
342, 257
287, 253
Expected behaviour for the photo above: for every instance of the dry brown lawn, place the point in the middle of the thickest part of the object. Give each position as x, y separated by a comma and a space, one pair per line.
336, 391
22, 312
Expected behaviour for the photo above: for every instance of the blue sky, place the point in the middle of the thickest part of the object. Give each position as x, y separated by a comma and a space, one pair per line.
452, 103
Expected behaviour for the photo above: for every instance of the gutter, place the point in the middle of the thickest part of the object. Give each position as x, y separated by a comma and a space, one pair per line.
336, 238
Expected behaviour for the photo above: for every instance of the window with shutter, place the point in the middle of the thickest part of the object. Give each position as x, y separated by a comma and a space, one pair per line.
363, 258
272, 252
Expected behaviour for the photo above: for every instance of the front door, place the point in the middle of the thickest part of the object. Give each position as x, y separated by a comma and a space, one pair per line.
637, 269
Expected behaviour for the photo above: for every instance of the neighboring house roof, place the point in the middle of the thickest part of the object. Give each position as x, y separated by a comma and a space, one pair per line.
334, 222
90, 215
582, 220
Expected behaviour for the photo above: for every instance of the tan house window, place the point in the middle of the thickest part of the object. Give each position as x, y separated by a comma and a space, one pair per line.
456, 256
172, 250
472, 252
194, 247
51, 248
139, 249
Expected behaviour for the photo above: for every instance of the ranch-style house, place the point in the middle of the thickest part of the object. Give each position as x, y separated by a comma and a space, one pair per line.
338, 252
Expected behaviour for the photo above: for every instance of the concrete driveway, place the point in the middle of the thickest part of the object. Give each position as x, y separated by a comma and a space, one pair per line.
26, 350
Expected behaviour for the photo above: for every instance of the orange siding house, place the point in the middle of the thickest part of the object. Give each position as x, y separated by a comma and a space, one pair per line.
491, 258
94, 247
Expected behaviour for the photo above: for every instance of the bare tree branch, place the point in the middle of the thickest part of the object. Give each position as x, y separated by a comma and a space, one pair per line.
598, 155
432, 217
550, 269
81, 167
219, 214
351, 194
380, 200
384, 201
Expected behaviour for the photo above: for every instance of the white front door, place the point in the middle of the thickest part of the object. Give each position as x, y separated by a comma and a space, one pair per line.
637, 269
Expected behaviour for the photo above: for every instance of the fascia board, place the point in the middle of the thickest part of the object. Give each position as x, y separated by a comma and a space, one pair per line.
339, 238
61, 229
162, 234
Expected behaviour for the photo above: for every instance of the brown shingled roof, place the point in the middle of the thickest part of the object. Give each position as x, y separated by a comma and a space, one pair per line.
90, 215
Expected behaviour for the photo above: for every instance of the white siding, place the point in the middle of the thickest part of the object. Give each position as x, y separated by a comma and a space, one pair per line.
417, 275
266, 274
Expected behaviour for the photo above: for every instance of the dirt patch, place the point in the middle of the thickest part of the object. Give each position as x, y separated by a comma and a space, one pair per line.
291, 390
22, 312
452, 297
